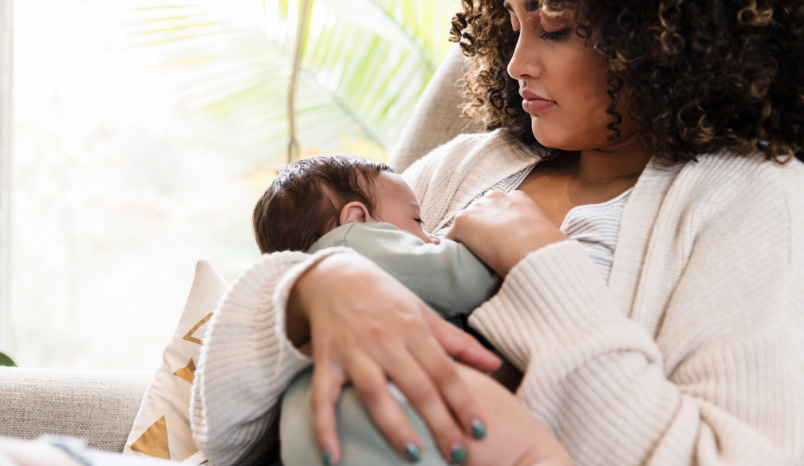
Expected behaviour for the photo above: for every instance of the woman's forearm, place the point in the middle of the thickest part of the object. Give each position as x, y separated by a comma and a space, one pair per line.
616, 394
247, 361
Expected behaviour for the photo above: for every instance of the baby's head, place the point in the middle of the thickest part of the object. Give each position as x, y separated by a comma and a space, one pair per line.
315, 195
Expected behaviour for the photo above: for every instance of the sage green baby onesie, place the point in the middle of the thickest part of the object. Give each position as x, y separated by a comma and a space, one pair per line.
448, 277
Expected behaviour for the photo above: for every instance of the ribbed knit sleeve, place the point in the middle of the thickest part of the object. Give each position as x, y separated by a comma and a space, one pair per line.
247, 361
706, 368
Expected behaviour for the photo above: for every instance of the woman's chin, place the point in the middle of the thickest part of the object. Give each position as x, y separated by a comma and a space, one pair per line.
556, 137
548, 138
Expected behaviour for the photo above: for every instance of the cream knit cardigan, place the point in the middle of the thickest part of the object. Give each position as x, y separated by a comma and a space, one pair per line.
692, 354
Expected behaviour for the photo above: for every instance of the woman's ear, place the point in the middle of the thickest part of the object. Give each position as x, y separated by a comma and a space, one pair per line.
354, 212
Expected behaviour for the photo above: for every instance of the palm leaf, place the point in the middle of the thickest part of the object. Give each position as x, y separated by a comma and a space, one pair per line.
364, 65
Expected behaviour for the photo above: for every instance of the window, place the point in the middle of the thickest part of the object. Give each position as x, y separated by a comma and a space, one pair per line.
144, 131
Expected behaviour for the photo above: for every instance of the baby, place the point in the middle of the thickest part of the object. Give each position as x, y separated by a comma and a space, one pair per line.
329, 201
362, 204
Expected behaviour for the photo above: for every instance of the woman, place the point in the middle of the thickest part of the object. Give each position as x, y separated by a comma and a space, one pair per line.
688, 113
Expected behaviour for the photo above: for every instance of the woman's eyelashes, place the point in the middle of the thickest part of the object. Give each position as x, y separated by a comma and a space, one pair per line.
555, 35
546, 35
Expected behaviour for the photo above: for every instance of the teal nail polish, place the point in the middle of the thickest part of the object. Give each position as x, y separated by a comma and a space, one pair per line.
458, 454
327, 458
412, 453
478, 430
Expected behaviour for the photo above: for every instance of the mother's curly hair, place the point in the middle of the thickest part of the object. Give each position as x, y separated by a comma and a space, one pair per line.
704, 75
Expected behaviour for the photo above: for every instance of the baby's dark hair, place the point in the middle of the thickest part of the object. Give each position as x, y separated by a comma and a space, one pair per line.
304, 202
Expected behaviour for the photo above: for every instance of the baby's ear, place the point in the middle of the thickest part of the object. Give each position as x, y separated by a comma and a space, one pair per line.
354, 212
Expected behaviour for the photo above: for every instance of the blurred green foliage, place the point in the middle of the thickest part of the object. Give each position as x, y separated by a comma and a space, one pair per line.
364, 65
6, 361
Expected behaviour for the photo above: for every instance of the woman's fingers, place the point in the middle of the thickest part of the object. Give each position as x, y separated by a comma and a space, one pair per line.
422, 393
501, 229
372, 386
365, 326
443, 372
326, 388
460, 344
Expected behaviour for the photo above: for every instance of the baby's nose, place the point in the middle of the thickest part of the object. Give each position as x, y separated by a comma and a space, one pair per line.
436, 239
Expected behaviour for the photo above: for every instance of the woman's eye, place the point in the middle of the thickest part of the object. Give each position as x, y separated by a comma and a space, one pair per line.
556, 35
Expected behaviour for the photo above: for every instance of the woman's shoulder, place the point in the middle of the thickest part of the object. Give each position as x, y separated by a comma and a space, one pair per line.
729, 186
756, 163
748, 178
466, 149
500, 139
468, 162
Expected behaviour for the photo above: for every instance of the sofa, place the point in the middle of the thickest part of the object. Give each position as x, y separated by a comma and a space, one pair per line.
100, 406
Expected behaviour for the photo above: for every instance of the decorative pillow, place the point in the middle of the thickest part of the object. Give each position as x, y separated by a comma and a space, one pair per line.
162, 426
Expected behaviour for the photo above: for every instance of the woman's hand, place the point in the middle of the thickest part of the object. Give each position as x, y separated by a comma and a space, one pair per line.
515, 437
367, 328
501, 229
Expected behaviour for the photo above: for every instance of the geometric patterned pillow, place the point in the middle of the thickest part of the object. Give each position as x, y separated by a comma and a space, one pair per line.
162, 426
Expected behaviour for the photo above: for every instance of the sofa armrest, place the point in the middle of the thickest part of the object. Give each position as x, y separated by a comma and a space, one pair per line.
99, 406
437, 118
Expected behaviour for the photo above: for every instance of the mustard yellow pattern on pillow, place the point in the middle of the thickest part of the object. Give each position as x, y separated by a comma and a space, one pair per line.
189, 336
154, 442
187, 373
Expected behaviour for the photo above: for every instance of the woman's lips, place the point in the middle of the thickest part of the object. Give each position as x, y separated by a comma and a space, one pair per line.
534, 103
534, 106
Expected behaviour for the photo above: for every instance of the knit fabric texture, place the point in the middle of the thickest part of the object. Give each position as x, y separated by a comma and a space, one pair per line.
693, 353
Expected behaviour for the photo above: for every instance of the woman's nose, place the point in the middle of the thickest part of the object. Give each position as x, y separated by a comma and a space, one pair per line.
524, 64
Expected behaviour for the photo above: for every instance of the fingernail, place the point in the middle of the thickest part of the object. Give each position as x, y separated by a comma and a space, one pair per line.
412, 453
458, 454
327, 458
478, 430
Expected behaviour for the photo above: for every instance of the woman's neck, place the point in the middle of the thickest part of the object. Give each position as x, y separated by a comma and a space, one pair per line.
585, 177
623, 160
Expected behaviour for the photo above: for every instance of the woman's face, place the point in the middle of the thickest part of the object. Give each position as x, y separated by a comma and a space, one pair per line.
562, 80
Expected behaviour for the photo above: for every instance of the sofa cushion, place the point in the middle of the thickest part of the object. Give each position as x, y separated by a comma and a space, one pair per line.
438, 116
162, 427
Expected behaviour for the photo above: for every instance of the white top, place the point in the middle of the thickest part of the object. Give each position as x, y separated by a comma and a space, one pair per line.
693, 353
594, 226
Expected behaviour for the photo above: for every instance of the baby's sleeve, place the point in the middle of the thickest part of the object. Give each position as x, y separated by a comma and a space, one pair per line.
447, 276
